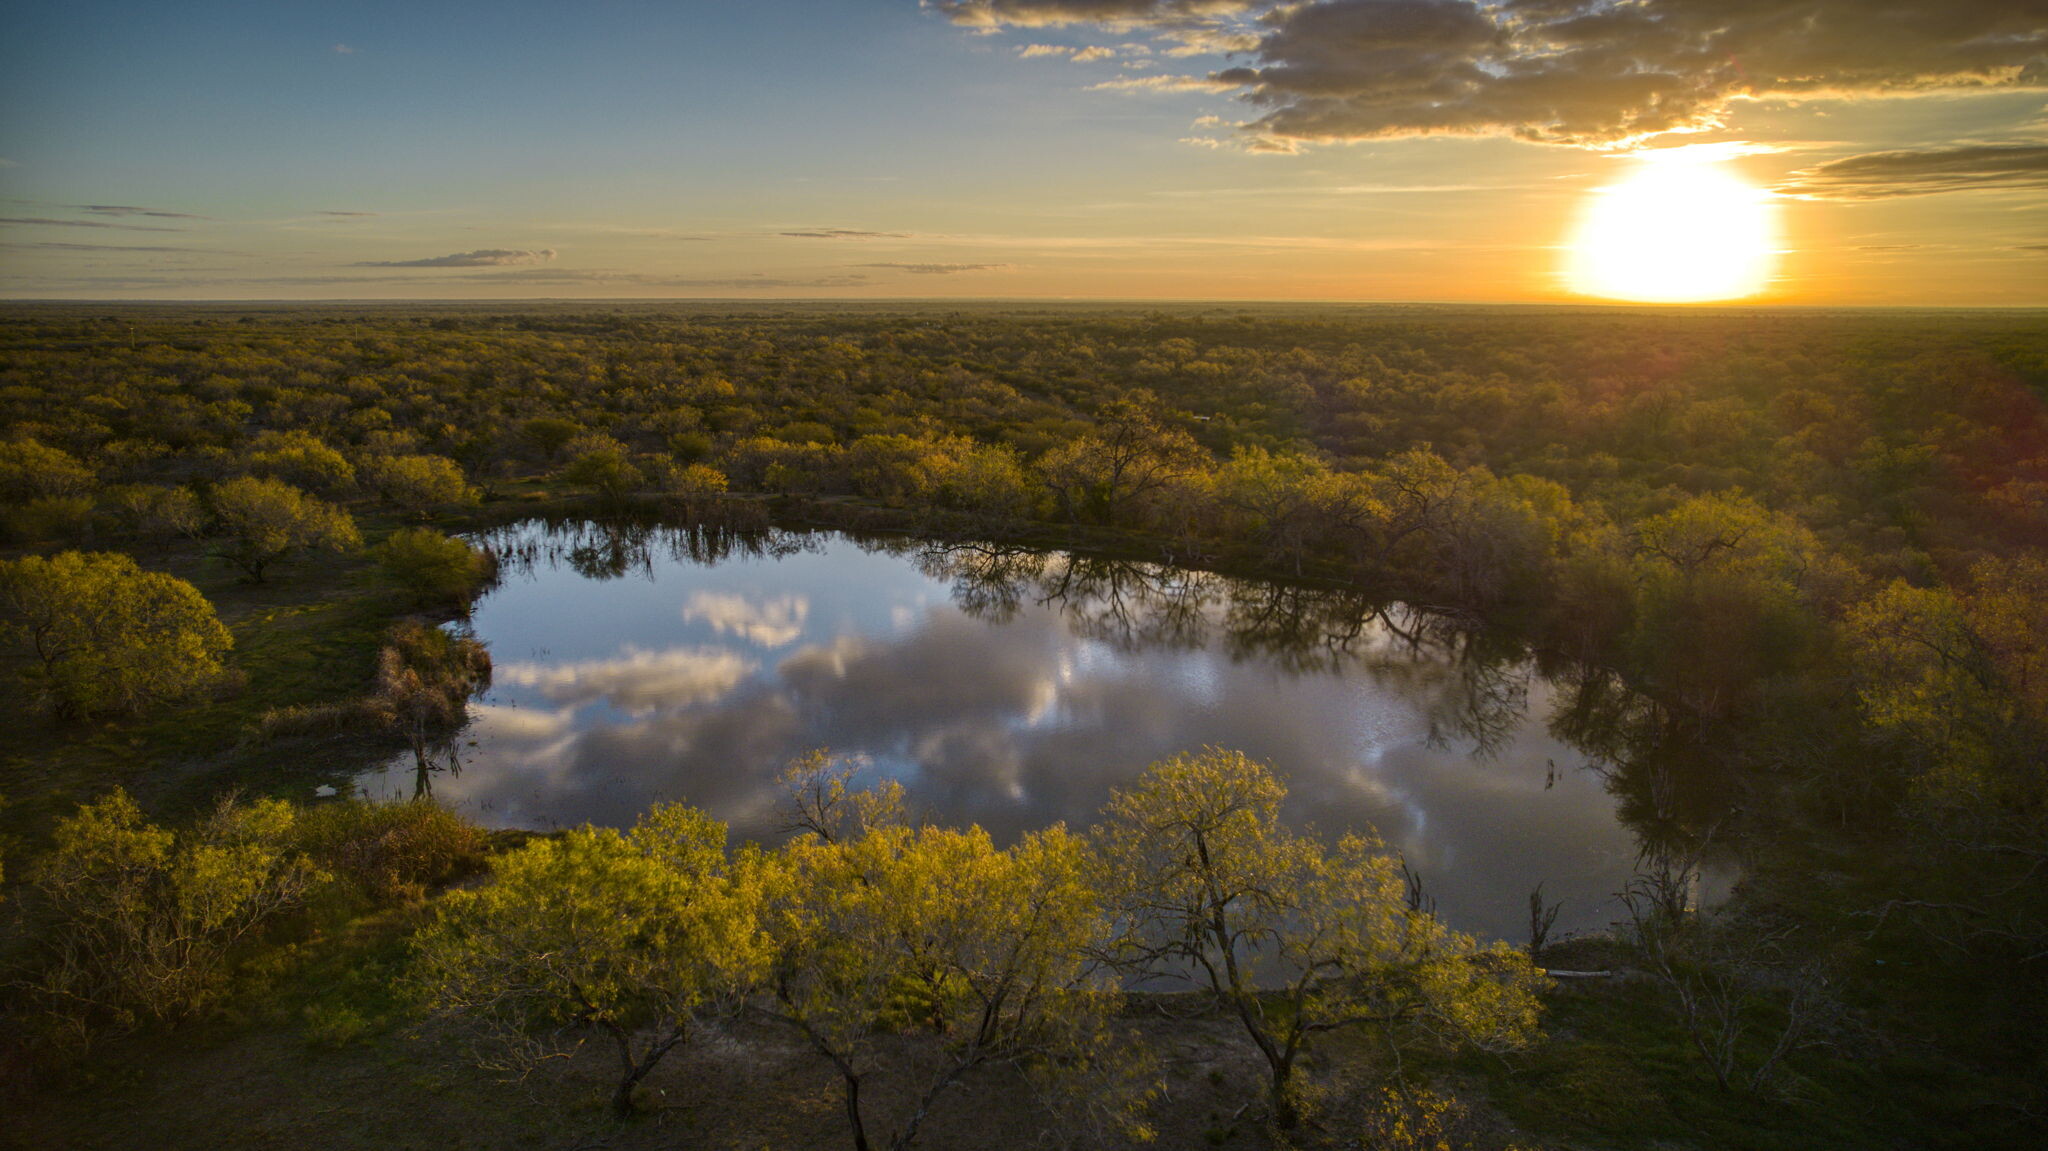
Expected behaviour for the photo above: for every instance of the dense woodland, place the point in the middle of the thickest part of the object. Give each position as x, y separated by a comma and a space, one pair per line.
1815, 545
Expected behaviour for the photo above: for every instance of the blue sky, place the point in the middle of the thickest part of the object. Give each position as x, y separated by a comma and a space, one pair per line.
885, 148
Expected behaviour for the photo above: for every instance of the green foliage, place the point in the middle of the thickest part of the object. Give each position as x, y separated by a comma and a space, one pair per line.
433, 568
600, 463
133, 923
106, 635
264, 522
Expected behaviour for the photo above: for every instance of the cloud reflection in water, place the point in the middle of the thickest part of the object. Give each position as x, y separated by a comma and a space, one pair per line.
1014, 690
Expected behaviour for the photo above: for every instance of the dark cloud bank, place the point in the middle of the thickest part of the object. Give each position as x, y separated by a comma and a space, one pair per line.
1579, 72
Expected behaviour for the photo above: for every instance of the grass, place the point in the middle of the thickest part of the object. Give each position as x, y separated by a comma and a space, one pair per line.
307, 637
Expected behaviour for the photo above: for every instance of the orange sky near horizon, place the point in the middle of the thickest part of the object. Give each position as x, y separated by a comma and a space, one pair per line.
1863, 152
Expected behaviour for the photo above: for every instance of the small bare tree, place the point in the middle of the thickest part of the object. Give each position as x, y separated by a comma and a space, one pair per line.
1743, 996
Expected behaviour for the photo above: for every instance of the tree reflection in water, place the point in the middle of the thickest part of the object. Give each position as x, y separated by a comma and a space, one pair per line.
1013, 687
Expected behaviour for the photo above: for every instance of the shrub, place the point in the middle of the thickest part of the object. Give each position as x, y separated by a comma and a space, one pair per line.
265, 521
108, 636
390, 851
432, 567
416, 483
301, 719
132, 923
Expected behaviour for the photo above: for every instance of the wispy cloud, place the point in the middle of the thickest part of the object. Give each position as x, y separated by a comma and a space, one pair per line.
938, 269
60, 246
1161, 84
481, 258
131, 210
1885, 175
326, 212
44, 221
844, 234
344, 50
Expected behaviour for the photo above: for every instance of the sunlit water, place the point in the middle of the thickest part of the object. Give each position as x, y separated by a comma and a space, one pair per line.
1012, 690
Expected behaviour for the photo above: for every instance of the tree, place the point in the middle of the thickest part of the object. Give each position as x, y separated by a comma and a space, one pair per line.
30, 470
154, 511
138, 923
1127, 460
1727, 594
413, 484
265, 521
425, 678
635, 936
432, 567
108, 636
895, 930
1291, 936
300, 459
600, 463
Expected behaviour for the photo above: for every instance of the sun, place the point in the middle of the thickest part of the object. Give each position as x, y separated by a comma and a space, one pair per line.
1680, 228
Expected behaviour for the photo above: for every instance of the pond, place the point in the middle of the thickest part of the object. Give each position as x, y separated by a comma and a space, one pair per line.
1011, 689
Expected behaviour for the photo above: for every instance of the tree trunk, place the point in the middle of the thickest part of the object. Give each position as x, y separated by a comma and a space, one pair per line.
860, 1131
622, 1098
1285, 1115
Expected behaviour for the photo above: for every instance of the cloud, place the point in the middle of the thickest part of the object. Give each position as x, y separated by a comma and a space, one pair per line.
325, 212
481, 258
939, 269
344, 50
130, 210
993, 14
59, 246
1883, 175
1033, 51
1578, 72
637, 681
844, 234
770, 623
46, 222
1087, 55
1161, 84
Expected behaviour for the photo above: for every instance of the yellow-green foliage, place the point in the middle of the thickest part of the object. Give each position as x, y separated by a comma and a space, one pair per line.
264, 521
300, 459
1294, 936
935, 931
137, 923
416, 483
31, 470
108, 636
626, 933
433, 567
390, 850
1401, 1117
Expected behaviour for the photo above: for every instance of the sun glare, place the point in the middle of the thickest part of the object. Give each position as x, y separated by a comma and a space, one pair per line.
1680, 228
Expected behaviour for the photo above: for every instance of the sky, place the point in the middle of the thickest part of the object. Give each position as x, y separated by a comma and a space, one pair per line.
1369, 150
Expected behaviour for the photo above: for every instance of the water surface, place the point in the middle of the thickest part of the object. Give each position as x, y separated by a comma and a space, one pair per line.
1013, 689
